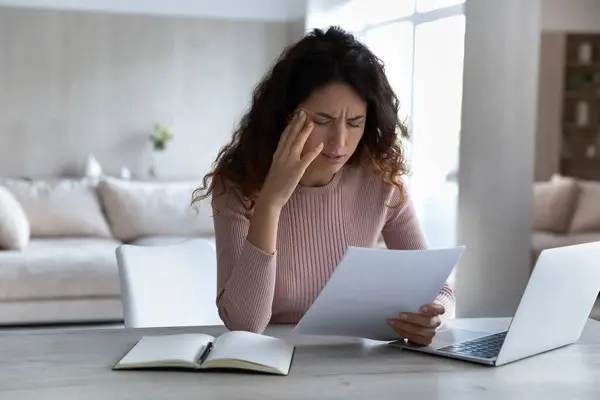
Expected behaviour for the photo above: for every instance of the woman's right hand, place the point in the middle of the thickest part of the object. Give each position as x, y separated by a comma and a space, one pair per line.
289, 162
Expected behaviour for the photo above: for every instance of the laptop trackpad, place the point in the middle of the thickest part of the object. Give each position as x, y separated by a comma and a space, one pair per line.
448, 337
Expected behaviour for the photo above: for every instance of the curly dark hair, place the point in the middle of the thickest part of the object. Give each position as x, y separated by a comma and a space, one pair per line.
320, 58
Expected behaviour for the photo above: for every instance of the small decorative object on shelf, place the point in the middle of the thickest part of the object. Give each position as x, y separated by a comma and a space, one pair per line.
585, 53
591, 151
583, 114
159, 138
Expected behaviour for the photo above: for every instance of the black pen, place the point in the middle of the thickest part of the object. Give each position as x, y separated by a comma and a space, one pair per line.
205, 353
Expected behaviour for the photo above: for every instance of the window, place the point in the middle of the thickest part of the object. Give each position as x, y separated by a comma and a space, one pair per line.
437, 100
430, 5
423, 54
355, 15
397, 54
379, 11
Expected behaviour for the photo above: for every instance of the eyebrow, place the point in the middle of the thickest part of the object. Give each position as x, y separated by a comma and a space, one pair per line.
325, 115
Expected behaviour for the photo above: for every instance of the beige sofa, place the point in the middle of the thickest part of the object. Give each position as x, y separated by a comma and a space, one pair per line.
58, 241
566, 211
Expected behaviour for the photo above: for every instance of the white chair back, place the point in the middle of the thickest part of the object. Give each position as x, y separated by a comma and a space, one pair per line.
169, 285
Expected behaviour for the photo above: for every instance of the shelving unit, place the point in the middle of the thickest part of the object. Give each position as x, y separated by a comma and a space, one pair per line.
580, 149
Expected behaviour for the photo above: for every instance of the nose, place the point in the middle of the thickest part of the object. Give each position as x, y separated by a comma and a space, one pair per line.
337, 137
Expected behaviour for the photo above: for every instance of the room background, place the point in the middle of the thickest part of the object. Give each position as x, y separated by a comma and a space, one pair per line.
75, 84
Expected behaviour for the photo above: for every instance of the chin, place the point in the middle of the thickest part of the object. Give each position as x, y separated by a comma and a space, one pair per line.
324, 170
326, 167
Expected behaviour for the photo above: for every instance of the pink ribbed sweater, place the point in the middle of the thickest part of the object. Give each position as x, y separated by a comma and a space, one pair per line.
315, 228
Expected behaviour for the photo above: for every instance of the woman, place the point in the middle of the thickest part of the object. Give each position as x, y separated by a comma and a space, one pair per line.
314, 167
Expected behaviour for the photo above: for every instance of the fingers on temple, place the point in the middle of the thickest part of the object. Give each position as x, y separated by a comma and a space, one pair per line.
291, 131
301, 138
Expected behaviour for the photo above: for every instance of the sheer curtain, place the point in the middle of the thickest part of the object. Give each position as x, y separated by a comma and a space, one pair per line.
423, 53
436, 129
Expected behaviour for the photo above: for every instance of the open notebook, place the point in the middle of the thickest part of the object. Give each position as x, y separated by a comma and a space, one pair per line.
232, 350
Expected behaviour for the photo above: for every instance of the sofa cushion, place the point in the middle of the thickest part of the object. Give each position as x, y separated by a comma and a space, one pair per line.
554, 202
587, 213
548, 240
137, 209
60, 268
75, 310
14, 225
61, 207
165, 240
159, 240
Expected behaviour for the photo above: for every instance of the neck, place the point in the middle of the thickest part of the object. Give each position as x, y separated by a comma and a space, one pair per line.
313, 180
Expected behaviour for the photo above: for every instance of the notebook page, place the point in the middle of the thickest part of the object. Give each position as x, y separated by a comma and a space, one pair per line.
253, 348
156, 349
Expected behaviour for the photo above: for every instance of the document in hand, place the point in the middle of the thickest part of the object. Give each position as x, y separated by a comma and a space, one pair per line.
370, 285
196, 351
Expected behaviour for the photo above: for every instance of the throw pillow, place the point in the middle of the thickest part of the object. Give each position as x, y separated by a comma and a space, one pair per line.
554, 203
138, 209
60, 207
587, 212
14, 225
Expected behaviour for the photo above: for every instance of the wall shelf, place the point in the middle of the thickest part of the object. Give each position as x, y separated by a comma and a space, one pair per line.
580, 153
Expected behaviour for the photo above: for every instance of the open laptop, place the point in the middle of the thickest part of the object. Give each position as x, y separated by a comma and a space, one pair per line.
552, 313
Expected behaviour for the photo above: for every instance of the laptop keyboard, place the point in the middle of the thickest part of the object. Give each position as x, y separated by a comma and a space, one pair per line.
484, 347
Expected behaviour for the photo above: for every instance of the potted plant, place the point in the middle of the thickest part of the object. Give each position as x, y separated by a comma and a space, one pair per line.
159, 138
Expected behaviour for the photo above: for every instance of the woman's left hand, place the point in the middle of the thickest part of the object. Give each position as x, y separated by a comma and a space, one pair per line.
420, 327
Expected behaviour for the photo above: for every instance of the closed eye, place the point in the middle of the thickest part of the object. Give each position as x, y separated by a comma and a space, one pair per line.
323, 119
355, 122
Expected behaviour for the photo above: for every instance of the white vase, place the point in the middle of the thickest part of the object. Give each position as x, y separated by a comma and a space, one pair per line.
157, 164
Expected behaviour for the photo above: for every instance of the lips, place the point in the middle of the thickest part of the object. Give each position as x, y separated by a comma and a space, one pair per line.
332, 157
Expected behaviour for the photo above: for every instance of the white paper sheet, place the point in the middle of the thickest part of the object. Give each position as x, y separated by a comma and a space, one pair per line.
371, 285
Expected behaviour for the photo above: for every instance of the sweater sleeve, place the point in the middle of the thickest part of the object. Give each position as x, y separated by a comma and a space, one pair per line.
245, 274
402, 231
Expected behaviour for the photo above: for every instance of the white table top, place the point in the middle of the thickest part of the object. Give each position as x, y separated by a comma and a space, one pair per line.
77, 365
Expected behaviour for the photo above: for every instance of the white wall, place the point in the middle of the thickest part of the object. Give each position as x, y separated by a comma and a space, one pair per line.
497, 155
261, 10
571, 15
75, 83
